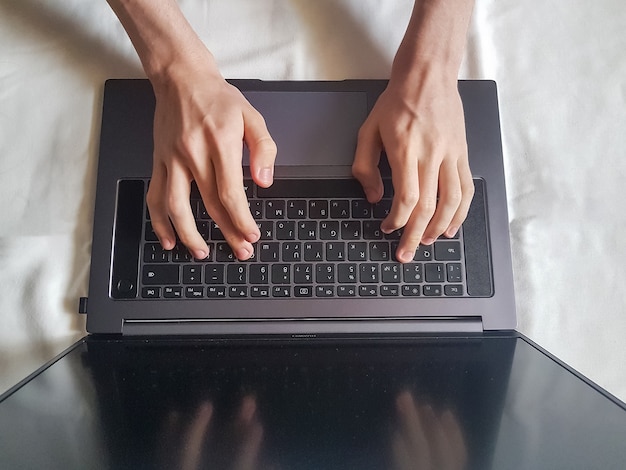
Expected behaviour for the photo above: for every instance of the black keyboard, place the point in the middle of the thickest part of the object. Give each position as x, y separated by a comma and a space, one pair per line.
319, 239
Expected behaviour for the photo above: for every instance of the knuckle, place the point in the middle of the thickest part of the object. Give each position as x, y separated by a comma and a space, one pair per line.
360, 169
437, 229
408, 197
427, 205
411, 239
453, 199
177, 208
153, 199
266, 145
228, 195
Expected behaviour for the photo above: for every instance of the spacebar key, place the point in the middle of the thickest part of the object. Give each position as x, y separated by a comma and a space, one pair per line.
160, 274
312, 188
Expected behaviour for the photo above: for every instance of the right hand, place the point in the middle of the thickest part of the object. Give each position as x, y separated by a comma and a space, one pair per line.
200, 123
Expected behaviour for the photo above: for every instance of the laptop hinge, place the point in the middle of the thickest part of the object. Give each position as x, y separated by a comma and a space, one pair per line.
302, 327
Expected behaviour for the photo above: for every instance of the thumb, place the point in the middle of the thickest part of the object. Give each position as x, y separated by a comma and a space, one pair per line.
366, 160
262, 148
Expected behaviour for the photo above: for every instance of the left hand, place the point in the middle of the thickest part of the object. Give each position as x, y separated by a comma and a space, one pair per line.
421, 128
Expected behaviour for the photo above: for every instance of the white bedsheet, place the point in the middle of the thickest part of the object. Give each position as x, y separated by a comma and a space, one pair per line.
561, 72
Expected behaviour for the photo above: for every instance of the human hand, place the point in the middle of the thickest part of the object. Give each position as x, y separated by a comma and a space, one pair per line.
426, 440
421, 128
200, 123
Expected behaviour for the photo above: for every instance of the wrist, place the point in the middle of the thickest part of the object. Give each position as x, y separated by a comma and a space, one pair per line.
433, 46
165, 69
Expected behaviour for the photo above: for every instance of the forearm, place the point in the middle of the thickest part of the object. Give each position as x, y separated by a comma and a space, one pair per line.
161, 35
434, 42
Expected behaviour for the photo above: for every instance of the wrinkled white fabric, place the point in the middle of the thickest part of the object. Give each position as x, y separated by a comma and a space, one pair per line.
561, 72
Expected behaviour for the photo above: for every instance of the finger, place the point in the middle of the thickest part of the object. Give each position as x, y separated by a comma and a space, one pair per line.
401, 455
242, 248
453, 431
179, 209
262, 148
192, 450
411, 425
438, 444
252, 435
467, 190
421, 215
230, 190
366, 160
157, 205
406, 189
450, 196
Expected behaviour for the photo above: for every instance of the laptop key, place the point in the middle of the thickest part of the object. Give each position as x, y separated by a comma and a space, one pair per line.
410, 290
453, 271
281, 273
335, 251
434, 272
347, 273
432, 290
368, 290
160, 274
194, 292
391, 272
324, 291
281, 291
357, 251
448, 251
412, 272
259, 274
216, 291
389, 290
369, 272
151, 292
325, 273
318, 209
173, 292
192, 274
214, 274
361, 209
296, 209
269, 251
453, 290
238, 291
154, 253
340, 209
236, 273
303, 273
259, 291
303, 291
346, 291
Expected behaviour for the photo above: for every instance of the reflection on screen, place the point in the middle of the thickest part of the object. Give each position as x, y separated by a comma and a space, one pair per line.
434, 403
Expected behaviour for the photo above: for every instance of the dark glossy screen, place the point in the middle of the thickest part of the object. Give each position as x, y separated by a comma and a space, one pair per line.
431, 403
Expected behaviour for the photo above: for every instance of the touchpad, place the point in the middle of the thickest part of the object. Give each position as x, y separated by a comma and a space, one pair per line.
314, 128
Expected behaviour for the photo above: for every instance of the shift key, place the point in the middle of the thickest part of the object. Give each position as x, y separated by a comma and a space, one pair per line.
159, 274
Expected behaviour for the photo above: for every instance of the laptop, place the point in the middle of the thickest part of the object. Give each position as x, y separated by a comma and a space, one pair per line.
322, 266
319, 352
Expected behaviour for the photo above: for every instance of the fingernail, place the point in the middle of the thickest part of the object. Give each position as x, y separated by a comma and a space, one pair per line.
200, 254
243, 253
373, 194
451, 232
406, 256
428, 241
167, 244
253, 237
385, 230
266, 175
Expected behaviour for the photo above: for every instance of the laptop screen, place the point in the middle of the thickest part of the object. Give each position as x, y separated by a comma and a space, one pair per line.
490, 402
